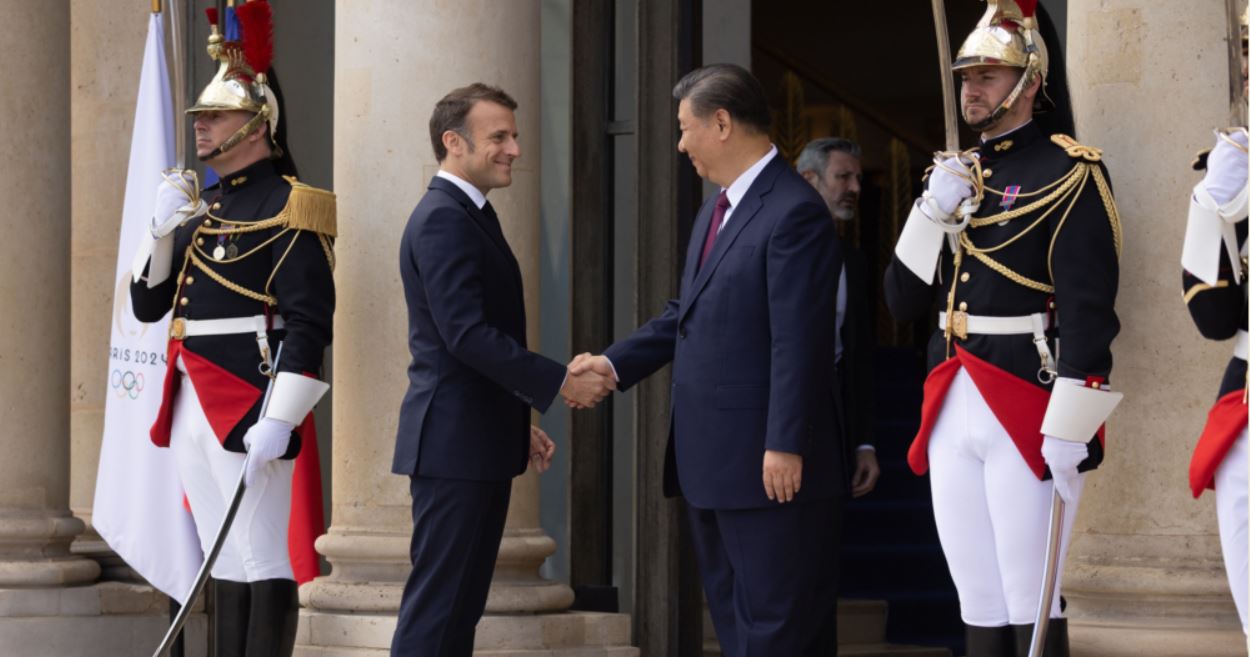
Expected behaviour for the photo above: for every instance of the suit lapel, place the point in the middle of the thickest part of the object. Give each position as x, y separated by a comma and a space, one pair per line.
747, 208
492, 230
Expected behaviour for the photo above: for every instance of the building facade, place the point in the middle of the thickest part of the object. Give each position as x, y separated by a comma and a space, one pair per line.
598, 214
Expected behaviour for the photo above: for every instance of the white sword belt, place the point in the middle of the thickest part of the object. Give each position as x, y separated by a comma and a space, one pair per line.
1240, 346
962, 325
181, 328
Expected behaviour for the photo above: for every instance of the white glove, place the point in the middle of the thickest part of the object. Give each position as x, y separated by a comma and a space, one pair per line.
265, 441
1226, 168
946, 189
1063, 456
177, 200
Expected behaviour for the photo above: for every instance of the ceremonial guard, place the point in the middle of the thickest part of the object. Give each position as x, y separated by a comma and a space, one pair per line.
1214, 279
246, 268
1019, 242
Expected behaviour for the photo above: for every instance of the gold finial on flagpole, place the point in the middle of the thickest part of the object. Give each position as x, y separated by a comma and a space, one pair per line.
156, 6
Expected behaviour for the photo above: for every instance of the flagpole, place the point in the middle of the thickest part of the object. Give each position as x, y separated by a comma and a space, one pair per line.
179, 94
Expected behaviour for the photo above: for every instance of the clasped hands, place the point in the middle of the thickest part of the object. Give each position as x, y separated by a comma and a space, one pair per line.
590, 380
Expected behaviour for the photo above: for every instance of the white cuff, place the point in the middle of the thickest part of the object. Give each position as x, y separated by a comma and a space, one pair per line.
293, 396
1076, 411
865, 448
615, 376
1209, 226
155, 254
920, 244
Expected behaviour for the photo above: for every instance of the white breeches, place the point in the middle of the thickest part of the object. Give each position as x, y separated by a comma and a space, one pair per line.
992, 513
256, 547
1231, 480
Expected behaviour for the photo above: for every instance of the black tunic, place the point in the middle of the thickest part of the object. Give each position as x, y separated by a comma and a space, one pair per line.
289, 265
1084, 261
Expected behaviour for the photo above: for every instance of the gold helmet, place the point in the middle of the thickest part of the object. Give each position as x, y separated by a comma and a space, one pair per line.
240, 83
1007, 35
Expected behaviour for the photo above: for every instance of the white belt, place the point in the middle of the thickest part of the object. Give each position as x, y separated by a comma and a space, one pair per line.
181, 328
1239, 348
963, 325
186, 328
986, 325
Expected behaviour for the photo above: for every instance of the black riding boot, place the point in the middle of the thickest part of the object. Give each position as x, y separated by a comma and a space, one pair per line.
275, 616
1056, 639
989, 641
231, 610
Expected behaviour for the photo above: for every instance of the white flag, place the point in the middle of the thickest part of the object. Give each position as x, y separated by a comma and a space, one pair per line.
138, 498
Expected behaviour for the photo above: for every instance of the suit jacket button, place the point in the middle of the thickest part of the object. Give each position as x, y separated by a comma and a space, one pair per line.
682, 333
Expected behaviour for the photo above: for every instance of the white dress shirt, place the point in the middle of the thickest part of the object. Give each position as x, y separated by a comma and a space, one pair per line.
475, 194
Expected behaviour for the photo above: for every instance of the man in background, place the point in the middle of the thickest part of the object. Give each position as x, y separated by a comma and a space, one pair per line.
832, 166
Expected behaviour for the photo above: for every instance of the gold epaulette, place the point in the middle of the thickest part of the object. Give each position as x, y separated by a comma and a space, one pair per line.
310, 208
1075, 149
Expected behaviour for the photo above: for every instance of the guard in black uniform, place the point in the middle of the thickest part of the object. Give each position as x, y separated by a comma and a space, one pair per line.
253, 299
1214, 280
1018, 240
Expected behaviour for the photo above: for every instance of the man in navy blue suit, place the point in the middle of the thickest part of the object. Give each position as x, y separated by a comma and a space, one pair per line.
464, 427
754, 445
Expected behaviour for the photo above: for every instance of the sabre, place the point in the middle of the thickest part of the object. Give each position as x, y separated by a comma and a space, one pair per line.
201, 578
1050, 576
949, 114
948, 76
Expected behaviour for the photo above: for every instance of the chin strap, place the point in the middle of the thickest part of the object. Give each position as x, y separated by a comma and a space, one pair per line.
1030, 73
241, 133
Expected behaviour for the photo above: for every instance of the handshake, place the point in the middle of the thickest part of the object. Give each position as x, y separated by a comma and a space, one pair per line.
589, 381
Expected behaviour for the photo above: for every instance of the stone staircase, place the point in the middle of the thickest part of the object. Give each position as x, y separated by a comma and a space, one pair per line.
861, 633
890, 549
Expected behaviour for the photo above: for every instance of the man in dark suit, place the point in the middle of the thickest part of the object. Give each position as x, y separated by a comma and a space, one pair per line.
832, 166
754, 444
464, 428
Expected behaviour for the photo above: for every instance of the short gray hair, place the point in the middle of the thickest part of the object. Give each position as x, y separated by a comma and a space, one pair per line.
815, 155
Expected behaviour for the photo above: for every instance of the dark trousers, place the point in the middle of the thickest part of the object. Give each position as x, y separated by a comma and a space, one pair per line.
829, 580
758, 569
457, 526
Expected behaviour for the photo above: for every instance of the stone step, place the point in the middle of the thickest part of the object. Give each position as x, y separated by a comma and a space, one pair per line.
861, 621
571, 634
890, 650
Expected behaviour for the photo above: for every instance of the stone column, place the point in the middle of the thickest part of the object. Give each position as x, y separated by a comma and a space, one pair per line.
1150, 81
393, 61
35, 523
106, 52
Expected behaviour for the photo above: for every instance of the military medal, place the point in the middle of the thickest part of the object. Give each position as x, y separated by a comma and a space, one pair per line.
219, 252
232, 251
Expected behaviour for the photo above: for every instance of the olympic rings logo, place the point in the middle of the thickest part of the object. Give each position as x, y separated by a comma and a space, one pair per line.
127, 384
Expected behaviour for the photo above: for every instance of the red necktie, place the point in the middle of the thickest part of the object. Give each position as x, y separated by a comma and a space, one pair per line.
718, 217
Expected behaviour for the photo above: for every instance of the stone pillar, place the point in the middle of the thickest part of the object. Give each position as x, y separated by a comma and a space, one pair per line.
1150, 81
106, 51
35, 524
393, 61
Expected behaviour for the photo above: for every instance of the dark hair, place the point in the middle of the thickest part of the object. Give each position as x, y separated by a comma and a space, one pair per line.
815, 155
451, 110
729, 87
